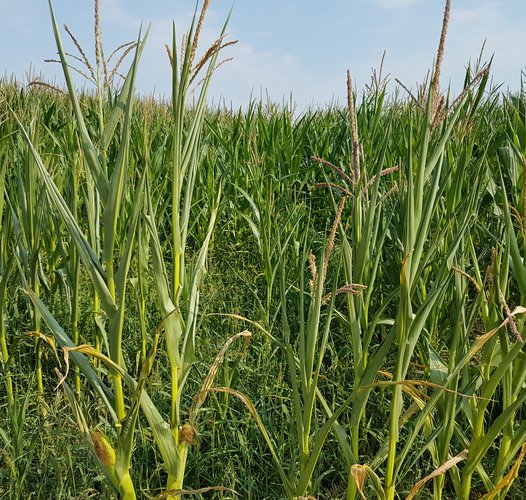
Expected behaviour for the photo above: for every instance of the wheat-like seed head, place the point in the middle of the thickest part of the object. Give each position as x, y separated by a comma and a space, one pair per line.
440, 52
385, 171
479, 76
184, 42
354, 129
226, 60
438, 113
490, 271
120, 47
350, 108
333, 167
195, 42
468, 277
206, 56
313, 271
350, 289
392, 190
332, 237
409, 93
74, 68
119, 62
336, 187
511, 321
104, 63
98, 35
81, 52
46, 85
170, 55
214, 49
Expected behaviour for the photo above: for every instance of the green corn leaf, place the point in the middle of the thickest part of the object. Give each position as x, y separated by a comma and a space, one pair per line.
118, 178
476, 455
79, 360
195, 283
88, 148
518, 262
476, 346
125, 261
319, 440
120, 105
173, 321
87, 255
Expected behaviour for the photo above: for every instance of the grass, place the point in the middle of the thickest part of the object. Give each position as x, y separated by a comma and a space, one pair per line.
373, 255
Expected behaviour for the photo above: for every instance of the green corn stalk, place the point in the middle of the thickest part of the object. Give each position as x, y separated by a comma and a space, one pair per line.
503, 367
464, 312
16, 447
180, 323
420, 207
304, 356
6, 268
110, 282
485, 381
305, 365
30, 223
365, 235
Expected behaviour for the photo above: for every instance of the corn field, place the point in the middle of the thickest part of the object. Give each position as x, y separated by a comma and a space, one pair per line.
260, 303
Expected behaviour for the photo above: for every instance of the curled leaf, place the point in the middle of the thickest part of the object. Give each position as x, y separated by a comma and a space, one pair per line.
509, 478
438, 472
360, 473
209, 380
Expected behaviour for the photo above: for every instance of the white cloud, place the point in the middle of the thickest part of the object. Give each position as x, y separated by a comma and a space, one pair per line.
483, 12
256, 73
472, 23
394, 4
253, 73
265, 62
505, 38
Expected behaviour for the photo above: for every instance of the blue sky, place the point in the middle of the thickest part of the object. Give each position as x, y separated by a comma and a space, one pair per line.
285, 46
